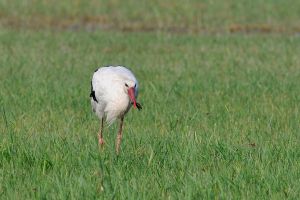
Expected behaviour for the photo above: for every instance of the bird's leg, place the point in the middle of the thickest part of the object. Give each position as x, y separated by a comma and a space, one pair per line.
119, 136
100, 136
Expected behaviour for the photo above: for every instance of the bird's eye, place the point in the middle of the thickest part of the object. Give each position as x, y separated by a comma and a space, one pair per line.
126, 85
134, 85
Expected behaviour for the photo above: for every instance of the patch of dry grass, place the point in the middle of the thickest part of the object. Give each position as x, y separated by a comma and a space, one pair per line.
209, 17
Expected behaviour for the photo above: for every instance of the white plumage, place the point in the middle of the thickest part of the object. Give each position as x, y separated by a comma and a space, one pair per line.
113, 91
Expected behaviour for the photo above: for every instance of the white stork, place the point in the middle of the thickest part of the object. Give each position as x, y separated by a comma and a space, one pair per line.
114, 90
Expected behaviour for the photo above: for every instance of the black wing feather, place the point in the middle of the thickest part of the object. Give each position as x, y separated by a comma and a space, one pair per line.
93, 93
139, 106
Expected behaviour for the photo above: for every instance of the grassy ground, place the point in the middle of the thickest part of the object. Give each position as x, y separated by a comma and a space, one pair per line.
192, 16
220, 118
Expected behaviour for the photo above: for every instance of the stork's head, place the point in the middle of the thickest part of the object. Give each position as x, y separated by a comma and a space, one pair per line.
130, 88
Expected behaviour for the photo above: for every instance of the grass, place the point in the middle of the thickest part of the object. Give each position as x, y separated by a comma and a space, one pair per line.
220, 117
220, 114
192, 16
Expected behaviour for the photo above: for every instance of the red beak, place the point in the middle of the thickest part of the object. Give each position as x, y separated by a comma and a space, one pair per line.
131, 95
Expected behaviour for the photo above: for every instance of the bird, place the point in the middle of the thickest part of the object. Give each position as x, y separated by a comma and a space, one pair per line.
114, 90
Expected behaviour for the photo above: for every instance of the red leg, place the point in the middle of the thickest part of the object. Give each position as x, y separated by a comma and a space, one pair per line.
100, 136
119, 136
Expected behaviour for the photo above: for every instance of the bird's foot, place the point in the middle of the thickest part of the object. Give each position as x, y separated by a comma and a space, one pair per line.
101, 142
117, 150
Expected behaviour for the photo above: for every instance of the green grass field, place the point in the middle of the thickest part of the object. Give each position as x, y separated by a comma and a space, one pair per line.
220, 116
